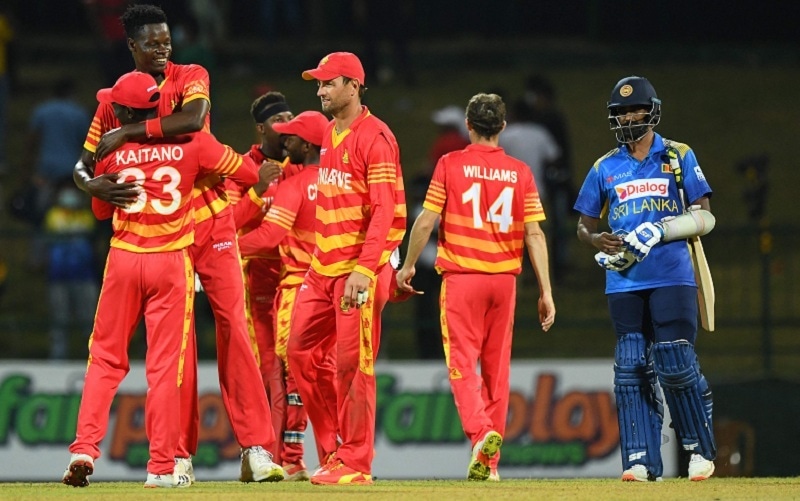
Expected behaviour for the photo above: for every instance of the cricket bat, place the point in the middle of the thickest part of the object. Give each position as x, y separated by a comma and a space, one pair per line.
705, 284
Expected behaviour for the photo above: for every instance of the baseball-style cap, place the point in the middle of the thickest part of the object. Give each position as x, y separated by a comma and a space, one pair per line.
309, 125
135, 90
337, 64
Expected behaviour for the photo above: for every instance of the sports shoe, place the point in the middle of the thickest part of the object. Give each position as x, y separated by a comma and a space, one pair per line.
325, 463
482, 453
169, 480
700, 468
493, 475
337, 473
78, 471
639, 473
296, 472
257, 466
183, 466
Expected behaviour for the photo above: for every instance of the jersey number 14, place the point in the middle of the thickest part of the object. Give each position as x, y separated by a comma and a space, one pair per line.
499, 212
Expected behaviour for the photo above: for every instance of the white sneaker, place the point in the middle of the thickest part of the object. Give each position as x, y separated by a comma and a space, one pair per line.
183, 466
493, 475
78, 471
639, 473
700, 468
257, 466
482, 453
168, 481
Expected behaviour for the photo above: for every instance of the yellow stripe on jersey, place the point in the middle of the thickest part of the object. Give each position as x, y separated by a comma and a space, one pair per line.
480, 266
181, 243
282, 217
485, 245
336, 242
340, 215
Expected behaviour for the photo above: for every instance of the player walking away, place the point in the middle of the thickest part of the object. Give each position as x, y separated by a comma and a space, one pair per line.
289, 227
149, 273
262, 273
644, 183
489, 206
214, 251
360, 221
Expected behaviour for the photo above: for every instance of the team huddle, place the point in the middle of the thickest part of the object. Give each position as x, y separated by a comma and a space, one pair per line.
296, 245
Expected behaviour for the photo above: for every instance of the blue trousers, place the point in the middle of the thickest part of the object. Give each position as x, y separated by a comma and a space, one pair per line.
664, 314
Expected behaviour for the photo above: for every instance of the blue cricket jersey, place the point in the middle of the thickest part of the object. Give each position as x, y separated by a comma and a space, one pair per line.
631, 192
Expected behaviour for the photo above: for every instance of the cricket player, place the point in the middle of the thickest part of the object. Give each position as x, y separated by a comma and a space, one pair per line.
650, 283
149, 273
360, 221
183, 108
490, 211
289, 227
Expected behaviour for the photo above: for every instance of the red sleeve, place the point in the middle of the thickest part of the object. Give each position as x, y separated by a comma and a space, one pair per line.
249, 211
196, 83
277, 223
217, 158
102, 122
382, 182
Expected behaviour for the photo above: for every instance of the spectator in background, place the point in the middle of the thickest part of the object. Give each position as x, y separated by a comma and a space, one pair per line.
451, 135
538, 105
72, 282
55, 139
113, 55
280, 17
211, 17
390, 22
6, 35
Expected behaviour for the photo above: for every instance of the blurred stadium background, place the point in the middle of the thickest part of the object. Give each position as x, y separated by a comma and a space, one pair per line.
727, 74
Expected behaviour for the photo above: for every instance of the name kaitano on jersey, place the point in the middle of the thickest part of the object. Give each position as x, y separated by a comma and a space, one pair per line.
171, 153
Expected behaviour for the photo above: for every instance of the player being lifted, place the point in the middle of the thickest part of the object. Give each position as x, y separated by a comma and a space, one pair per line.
650, 283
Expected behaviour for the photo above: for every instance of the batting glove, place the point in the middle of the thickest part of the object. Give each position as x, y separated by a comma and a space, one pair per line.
642, 239
615, 262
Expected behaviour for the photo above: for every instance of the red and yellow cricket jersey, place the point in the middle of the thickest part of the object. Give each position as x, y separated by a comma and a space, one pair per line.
485, 197
361, 205
182, 84
289, 225
166, 168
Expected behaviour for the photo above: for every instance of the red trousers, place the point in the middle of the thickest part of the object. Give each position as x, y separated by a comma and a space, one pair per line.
477, 324
216, 259
320, 326
160, 287
296, 421
261, 284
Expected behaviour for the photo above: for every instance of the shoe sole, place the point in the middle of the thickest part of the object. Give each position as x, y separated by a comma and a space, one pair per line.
273, 476
630, 477
79, 472
317, 481
491, 445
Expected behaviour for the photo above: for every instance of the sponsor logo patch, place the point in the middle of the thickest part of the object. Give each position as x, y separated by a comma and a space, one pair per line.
642, 188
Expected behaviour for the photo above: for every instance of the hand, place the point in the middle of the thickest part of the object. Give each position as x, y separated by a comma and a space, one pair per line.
643, 238
615, 262
356, 290
610, 243
403, 278
111, 141
267, 173
547, 311
107, 188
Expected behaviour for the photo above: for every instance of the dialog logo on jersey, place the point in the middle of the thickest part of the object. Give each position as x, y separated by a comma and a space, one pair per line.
642, 188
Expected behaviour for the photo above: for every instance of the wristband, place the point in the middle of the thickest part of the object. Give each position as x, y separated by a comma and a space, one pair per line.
152, 128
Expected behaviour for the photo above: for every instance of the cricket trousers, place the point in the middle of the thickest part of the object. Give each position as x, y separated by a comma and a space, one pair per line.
216, 259
160, 287
261, 283
477, 324
319, 325
294, 429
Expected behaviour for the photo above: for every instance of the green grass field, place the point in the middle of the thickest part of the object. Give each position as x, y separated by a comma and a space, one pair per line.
544, 489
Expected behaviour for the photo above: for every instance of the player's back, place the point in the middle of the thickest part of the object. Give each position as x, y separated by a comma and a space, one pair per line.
485, 198
162, 219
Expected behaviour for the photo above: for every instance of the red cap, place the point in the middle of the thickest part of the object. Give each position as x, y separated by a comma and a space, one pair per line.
337, 64
135, 90
309, 125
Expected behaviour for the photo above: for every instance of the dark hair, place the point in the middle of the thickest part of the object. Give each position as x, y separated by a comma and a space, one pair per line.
486, 113
262, 103
137, 17
361, 88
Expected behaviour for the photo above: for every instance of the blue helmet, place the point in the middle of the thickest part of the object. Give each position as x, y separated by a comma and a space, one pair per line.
630, 92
